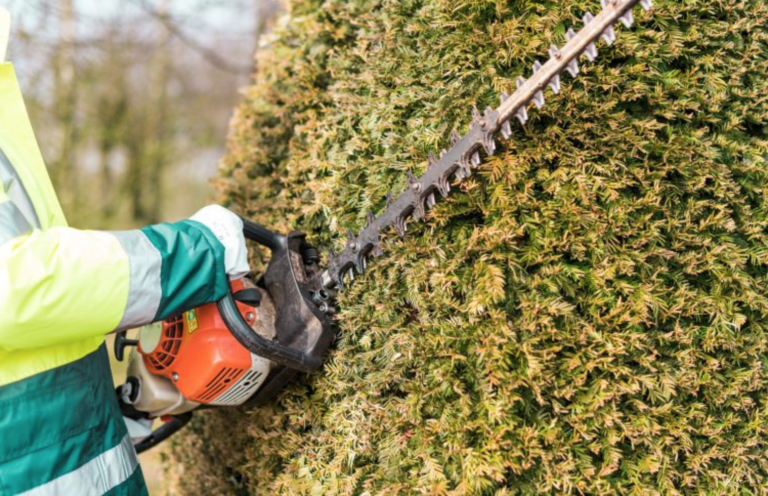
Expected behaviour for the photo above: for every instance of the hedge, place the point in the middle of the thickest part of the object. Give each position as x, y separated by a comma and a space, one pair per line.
587, 315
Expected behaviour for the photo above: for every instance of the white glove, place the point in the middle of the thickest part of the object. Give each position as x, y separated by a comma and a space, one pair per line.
138, 429
228, 228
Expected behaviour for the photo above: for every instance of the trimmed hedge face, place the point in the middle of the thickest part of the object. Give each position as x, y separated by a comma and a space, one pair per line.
590, 315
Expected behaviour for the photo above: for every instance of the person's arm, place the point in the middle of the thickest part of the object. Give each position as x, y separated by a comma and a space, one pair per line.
66, 284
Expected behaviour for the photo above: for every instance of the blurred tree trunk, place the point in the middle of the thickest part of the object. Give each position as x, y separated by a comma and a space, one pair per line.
134, 144
111, 129
149, 146
258, 23
159, 120
65, 100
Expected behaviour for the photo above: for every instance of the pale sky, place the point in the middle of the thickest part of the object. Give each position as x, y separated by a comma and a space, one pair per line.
201, 20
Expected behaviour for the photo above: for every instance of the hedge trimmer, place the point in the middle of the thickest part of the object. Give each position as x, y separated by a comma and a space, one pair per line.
245, 348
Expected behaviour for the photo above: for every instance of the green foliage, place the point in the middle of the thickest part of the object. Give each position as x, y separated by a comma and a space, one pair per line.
589, 316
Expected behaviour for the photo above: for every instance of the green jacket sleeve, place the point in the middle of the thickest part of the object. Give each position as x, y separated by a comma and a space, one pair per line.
65, 284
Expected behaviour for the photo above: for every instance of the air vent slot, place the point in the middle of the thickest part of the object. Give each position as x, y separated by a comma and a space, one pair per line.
242, 390
170, 342
224, 379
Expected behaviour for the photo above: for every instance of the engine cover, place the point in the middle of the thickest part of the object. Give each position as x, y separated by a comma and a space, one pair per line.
201, 358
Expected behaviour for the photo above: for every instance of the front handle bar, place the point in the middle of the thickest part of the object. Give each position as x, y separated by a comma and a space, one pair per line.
241, 330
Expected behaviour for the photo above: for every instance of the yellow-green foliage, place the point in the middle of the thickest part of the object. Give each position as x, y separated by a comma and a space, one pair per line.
590, 315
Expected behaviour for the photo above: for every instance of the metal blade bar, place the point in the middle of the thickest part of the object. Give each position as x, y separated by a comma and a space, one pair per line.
611, 12
464, 155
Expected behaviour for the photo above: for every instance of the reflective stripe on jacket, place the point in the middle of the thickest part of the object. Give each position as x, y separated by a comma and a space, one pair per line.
61, 433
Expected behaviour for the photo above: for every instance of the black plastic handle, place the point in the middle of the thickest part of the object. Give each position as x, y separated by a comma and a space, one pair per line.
241, 330
163, 432
121, 341
271, 350
262, 235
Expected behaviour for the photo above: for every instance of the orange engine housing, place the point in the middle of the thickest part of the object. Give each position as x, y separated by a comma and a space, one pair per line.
200, 356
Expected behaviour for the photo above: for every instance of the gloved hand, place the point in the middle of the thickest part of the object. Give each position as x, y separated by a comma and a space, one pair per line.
228, 228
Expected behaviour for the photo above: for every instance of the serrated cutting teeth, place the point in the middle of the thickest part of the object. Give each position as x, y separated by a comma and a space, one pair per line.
522, 115
538, 97
463, 157
443, 187
506, 130
489, 145
591, 52
413, 180
476, 117
465, 168
572, 68
455, 138
489, 117
627, 19
420, 210
573, 65
609, 36
475, 160
554, 83
401, 226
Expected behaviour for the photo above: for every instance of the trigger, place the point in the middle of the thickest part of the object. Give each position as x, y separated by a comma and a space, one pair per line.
249, 296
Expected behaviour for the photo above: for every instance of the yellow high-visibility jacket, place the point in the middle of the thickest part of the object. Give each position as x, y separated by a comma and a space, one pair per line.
61, 291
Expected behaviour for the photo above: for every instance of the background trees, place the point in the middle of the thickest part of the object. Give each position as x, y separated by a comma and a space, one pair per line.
589, 316
131, 100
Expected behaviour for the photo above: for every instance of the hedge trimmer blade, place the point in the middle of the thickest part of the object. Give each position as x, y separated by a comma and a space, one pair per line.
463, 156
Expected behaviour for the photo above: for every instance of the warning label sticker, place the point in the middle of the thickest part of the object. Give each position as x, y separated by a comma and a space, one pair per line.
191, 321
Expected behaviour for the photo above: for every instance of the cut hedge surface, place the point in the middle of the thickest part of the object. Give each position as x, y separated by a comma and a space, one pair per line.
589, 316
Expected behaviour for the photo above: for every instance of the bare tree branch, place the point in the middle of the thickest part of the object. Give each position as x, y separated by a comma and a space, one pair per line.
208, 54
